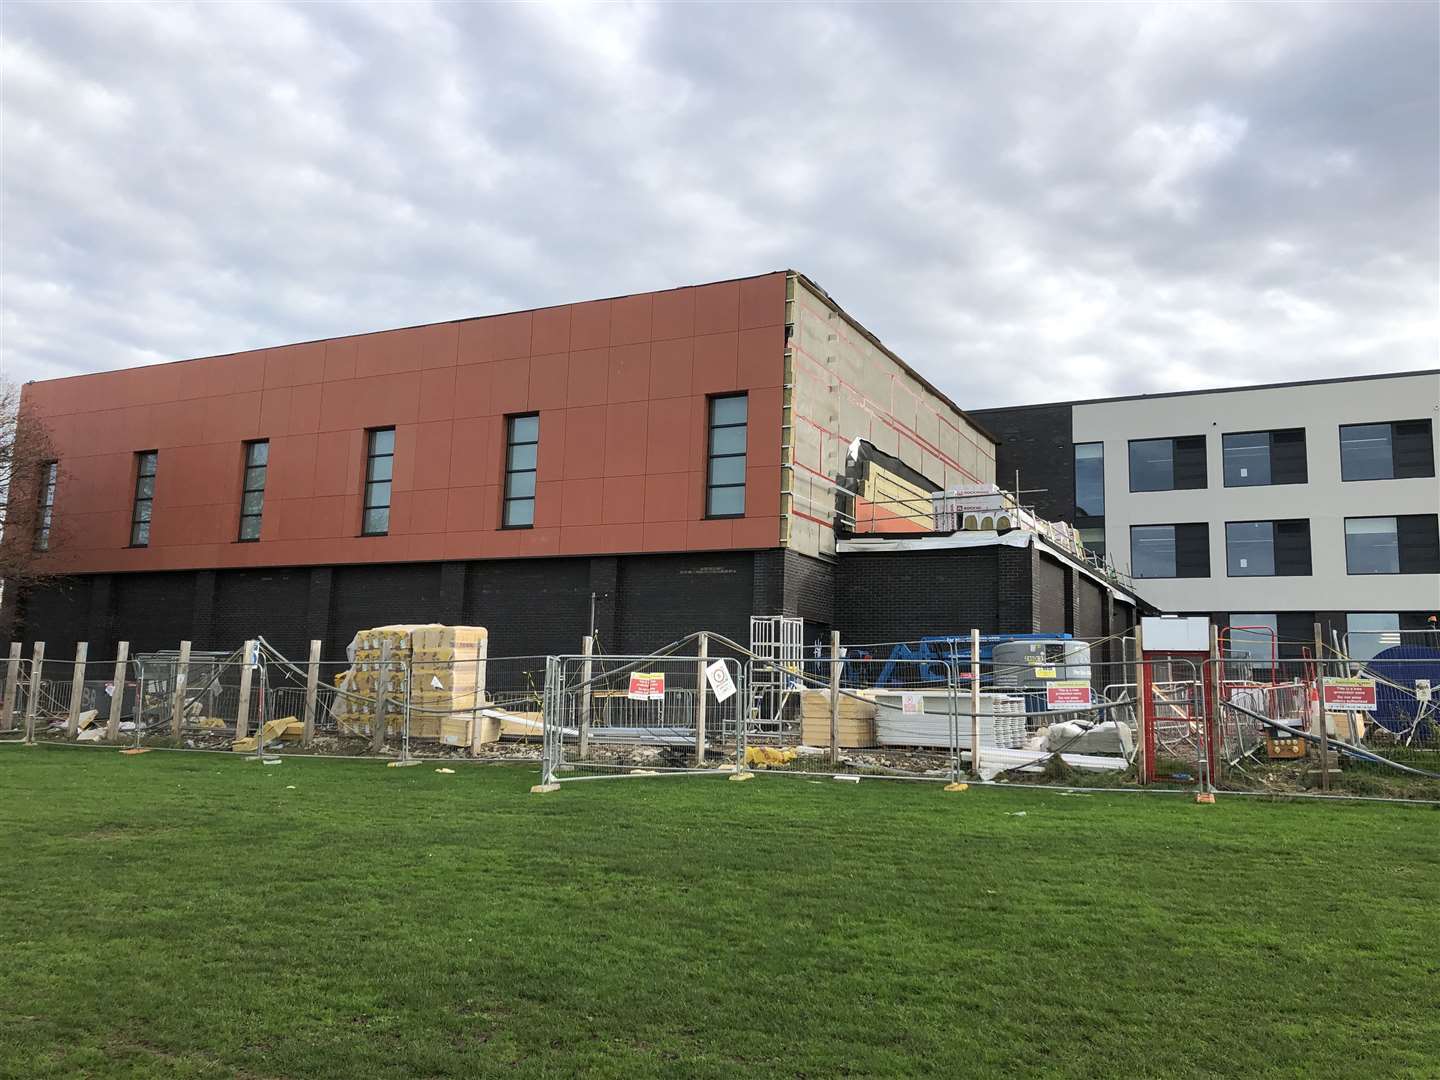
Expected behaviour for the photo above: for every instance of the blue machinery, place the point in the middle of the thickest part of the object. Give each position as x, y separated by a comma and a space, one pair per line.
938, 651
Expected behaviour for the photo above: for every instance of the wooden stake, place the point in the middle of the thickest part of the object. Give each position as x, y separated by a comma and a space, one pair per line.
12, 683
1141, 706
77, 689
377, 724
32, 701
312, 684
117, 696
242, 710
975, 691
702, 695
182, 673
587, 649
834, 697
1324, 727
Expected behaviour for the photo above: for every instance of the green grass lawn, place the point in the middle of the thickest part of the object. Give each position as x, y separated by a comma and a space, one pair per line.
197, 915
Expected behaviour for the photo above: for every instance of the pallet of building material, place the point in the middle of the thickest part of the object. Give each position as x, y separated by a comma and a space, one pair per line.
855, 727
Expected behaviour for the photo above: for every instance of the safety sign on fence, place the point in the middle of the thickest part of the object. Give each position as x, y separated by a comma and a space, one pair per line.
1067, 694
1350, 695
647, 686
718, 675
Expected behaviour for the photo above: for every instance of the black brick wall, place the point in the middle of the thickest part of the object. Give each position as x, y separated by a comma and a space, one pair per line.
532, 607
1051, 595
1091, 608
907, 595
1037, 440
665, 597
244, 599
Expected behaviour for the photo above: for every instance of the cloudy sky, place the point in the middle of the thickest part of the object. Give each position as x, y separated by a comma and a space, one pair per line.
1027, 202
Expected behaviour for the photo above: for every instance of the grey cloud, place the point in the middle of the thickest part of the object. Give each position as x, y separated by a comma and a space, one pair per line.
1028, 202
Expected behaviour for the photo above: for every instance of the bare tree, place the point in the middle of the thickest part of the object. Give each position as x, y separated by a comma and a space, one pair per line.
28, 472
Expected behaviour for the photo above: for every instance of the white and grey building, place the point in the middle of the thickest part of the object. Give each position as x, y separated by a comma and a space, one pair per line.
1262, 506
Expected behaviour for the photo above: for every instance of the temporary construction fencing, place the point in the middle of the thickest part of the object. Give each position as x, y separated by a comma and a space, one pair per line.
253, 698
846, 715
682, 711
1041, 712
1336, 725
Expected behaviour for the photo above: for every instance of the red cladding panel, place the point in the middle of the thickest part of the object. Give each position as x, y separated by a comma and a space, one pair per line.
620, 386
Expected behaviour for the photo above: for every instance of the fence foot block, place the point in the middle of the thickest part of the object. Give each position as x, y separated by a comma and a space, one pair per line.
742, 776
136, 750
1205, 797
544, 789
957, 786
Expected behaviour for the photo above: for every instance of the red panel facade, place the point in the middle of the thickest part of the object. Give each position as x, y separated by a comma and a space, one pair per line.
620, 386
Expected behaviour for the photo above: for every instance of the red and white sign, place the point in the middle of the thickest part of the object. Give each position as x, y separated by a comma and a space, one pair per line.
647, 686
1349, 695
1067, 694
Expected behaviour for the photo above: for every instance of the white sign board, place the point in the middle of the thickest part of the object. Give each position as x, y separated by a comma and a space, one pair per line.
718, 675
1189, 633
912, 704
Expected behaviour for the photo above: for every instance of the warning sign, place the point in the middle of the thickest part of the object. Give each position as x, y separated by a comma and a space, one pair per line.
912, 704
1067, 694
1349, 695
718, 676
647, 686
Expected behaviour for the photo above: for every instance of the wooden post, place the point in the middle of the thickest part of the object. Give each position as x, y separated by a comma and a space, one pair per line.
587, 649
1140, 706
32, 701
242, 710
77, 690
702, 694
377, 724
117, 695
834, 697
12, 684
1324, 727
1210, 690
975, 702
182, 672
312, 684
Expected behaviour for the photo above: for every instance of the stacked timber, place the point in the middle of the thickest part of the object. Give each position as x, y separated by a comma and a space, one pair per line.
855, 726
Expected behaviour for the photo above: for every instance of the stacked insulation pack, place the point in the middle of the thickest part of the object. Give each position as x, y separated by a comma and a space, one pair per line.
446, 665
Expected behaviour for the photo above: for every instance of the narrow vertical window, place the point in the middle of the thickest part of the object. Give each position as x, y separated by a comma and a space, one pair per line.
1090, 479
146, 462
522, 447
49, 473
252, 498
725, 477
379, 469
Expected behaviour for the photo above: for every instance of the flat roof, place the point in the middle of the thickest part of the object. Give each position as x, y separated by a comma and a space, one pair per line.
1216, 390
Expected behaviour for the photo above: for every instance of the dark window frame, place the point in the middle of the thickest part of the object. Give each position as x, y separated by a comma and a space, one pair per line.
1194, 529
1190, 442
369, 503
1080, 511
1281, 555
1417, 544
1269, 433
711, 457
45, 511
1399, 470
249, 465
142, 458
507, 500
